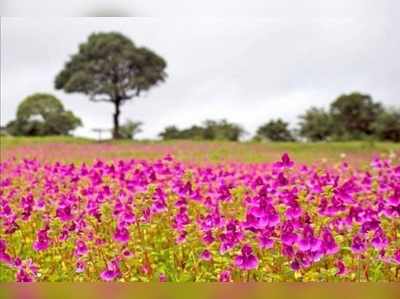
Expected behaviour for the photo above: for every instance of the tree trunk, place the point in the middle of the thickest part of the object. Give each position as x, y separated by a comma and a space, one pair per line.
116, 134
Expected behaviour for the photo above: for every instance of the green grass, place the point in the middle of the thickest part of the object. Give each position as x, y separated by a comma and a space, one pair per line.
72, 149
8, 141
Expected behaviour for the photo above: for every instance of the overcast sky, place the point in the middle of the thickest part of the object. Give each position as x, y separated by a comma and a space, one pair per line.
247, 65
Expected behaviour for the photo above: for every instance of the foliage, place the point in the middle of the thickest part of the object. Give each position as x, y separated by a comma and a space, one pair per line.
130, 129
210, 130
353, 115
222, 130
42, 114
387, 125
316, 125
170, 133
109, 67
275, 130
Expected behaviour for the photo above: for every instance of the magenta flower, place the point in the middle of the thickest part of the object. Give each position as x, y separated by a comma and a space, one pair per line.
206, 255
64, 212
4, 256
294, 211
265, 241
285, 162
23, 276
127, 253
81, 248
288, 237
341, 268
295, 265
42, 240
379, 241
163, 277
308, 241
358, 245
396, 257
121, 234
267, 215
27, 271
208, 238
225, 276
247, 260
181, 238
329, 245
80, 266
111, 272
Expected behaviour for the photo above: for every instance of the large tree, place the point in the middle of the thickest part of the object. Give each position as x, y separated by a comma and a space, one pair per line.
42, 114
316, 124
109, 67
353, 115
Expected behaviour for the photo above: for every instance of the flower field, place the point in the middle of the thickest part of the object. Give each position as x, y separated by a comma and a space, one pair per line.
165, 219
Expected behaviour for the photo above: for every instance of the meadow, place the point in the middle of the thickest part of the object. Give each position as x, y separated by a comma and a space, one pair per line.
77, 210
78, 150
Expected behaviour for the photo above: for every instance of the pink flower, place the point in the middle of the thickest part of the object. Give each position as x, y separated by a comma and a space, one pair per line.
111, 272
80, 266
396, 257
329, 245
308, 241
27, 271
64, 212
181, 238
80, 248
4, 256
285, 162
265, 241
23, 276
358, 244
379, 241
127, 253
206, 255
247, 260
121, 234
342, 270
225, 276
163, 277
42, 240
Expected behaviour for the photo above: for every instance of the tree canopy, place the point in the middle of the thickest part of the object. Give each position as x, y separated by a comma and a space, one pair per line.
42, 114
130, 128
350, 117
353, 115
275, 130
316, 124
109, 67
209, 130
387, 125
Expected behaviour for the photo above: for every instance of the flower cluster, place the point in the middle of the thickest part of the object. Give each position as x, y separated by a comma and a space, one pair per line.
165, 220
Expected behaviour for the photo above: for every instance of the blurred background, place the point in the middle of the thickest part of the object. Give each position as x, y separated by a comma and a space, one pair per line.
246, 64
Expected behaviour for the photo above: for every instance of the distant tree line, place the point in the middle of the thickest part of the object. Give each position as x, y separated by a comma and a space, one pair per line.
209, 130
353, 116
